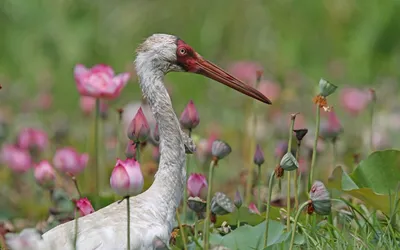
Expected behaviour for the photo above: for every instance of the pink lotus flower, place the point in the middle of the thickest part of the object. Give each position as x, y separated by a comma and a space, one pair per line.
253, 208
139, 129
68, 160
270, 89
245, 71
190, 117
31, 138
16, 158
45, 175
354, 100
127, 178
197, 185
99, 81
84, 206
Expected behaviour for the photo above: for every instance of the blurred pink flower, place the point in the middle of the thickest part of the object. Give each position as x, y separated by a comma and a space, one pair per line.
253, 208
31, 138
68, 160
190, 117
127, 178
269, 89
99, 81
281, 149
84, 206
245, 71
44, 174
197, 185
331, 128
45, 100
139, 129
87, 104
354, 100
19, 160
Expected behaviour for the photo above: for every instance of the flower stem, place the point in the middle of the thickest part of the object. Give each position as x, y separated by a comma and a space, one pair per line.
271, 180
208, 206
314, 154
288, 195
296, 178
76, 186
137, 151
128, 225
237, 218
118, 145
295, 222
371, 135
259, 189
181, 229
184, 208
96, 146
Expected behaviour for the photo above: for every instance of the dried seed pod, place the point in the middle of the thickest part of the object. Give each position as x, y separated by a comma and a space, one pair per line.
319, 196
221, 204
289, 162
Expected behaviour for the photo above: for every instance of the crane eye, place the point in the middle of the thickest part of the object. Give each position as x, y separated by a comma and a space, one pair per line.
182, 51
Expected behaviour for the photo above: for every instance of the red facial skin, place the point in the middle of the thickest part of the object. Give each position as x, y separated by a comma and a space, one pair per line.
186, 57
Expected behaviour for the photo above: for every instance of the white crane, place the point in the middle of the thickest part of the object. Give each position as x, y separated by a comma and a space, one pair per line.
153, 211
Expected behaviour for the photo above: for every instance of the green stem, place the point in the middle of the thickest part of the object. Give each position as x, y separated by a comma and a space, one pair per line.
118, 146
96, 146
184, 208
208, 205
295, 222
237, 218
181, 229
271, 180
76, 186
259, 189
128, 226
296, 178
137, 145
314, 154
371, 136
293, 118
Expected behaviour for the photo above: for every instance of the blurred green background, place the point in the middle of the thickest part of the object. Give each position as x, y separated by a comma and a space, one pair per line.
345, 41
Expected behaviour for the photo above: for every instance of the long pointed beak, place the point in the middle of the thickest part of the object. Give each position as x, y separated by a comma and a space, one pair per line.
210, 70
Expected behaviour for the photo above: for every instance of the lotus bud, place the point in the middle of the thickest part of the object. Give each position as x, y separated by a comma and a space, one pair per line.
139, 130
190, 117
258, 156
238, 200
300, 133
127, 178
220, 149
197, 204
326, 88
319, 196
289, 162
253, 208
221, 204
84, 206
197, 185
45, 175
130, 151
70, 161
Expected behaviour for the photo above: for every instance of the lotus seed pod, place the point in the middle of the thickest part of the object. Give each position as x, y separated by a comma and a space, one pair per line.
221, 204
326, 88
220, 149
196, 204
319, 196
289, 162
300, 133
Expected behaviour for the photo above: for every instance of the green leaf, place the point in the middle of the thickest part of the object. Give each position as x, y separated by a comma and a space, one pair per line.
380, 172
249, 237
245, 216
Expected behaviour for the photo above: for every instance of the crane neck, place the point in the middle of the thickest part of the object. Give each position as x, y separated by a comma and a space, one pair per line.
171, 175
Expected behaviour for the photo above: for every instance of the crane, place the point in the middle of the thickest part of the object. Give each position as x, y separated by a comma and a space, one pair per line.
153, 211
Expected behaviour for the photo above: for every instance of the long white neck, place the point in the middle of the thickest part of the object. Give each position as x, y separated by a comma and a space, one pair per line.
170, 177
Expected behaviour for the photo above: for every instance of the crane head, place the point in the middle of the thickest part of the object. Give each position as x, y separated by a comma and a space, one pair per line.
170, 53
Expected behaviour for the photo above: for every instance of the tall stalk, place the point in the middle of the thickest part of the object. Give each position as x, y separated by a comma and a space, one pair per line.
293, 118
314, 154
208, 205
295, 222
371, 114
119, 119
296, 178
271, 180
181, 229
259, 188
184, 208
76, 229
96, 148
